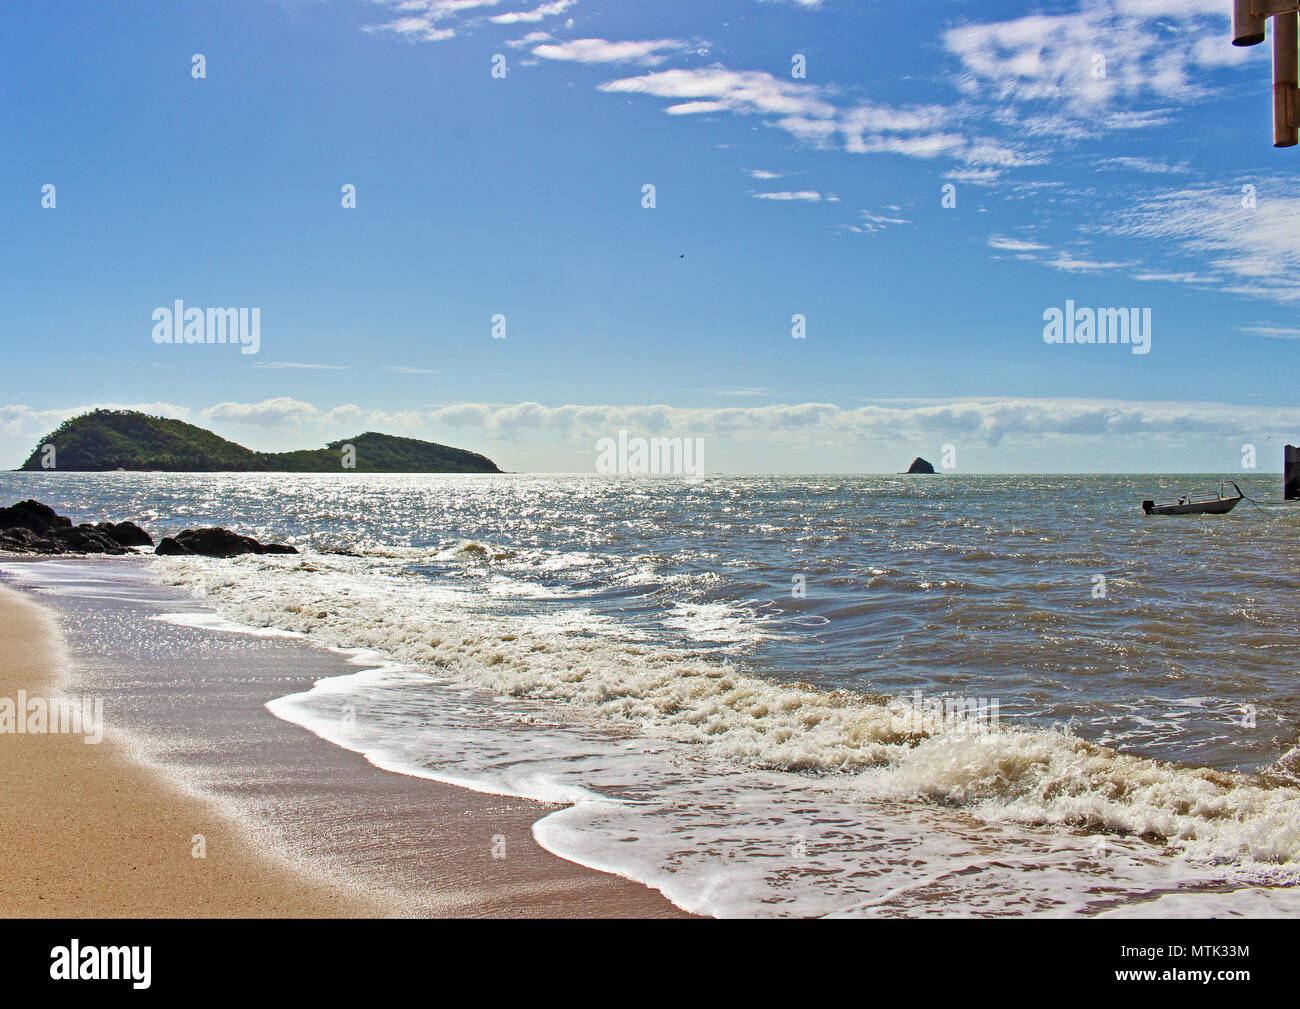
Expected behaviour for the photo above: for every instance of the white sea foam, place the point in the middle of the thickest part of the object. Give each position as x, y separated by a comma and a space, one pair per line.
864, 750
209, 621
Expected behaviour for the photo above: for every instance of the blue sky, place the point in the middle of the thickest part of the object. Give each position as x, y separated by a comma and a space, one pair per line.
1109, 184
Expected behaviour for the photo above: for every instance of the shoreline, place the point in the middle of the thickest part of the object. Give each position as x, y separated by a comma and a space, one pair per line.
106, 830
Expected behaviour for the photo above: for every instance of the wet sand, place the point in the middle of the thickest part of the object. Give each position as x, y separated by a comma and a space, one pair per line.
293, 826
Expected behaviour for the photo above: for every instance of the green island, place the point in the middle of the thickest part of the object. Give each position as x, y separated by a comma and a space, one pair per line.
129, 440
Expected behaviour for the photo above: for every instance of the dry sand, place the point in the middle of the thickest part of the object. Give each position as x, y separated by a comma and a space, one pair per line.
89, 832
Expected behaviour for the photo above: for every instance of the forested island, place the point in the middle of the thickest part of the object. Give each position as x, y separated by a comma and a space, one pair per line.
129, 440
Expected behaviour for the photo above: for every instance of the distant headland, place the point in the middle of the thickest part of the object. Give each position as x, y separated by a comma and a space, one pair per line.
129, 440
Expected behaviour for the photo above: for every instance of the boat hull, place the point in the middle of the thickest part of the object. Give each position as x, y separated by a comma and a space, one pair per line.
1219, 507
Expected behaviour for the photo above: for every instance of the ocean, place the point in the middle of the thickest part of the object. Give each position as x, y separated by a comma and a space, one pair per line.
795, 695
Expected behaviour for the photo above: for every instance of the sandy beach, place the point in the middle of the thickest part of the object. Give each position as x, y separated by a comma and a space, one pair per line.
92, 831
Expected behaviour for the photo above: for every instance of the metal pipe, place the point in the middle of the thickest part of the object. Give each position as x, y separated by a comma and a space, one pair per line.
1286, 70
1247, 24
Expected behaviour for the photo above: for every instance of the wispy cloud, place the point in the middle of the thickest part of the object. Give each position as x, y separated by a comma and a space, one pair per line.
1149, 166
805, 195
869, 223
1014, 244
299, 364
1251, 245
1273, 332
1195, 279
1068, 262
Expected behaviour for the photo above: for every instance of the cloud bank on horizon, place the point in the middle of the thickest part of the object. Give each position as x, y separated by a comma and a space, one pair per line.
746, 436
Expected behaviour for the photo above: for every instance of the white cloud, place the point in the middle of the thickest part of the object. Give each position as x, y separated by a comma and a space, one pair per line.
1089, 66
536, 14
532, 38
814, 115
603, 51
753, 91
19, 420
418, 20
279, 412
975, 176
986, 419
695, 108
289, 415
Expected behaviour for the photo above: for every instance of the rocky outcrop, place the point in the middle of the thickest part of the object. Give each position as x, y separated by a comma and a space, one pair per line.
216, 542
919, 465
31, 527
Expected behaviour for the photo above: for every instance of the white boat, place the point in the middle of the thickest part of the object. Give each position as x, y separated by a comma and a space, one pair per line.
1219, 504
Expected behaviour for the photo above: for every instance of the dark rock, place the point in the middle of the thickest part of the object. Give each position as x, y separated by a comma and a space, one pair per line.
919, 465
24, 541
34, 528
32, 516
87, 539
128, 534
218, 543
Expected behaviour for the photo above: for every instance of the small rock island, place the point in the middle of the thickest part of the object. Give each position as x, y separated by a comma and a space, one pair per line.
919, 465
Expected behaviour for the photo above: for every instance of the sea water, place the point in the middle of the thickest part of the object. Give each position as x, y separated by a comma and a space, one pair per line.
743, 688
